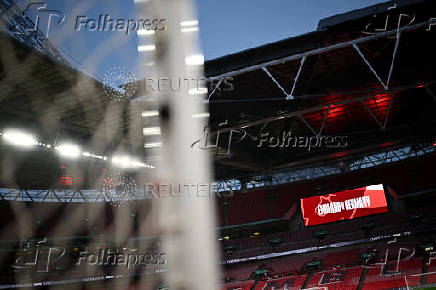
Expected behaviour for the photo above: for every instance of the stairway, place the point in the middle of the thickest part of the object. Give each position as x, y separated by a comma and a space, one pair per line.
309, 276
362, 278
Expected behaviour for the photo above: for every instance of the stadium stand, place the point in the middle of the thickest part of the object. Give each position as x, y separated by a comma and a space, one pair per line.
246, 285
338, 279
291, 283
264, 241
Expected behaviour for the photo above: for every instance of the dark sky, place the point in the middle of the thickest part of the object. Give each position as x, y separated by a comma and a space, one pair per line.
226, 26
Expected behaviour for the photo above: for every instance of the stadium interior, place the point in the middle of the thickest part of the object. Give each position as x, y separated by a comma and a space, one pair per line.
305, 121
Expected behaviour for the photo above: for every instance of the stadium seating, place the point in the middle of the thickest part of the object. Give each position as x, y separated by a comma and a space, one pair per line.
344, 258
290, 283
340, 269
254, 205
339, 279
245, 285
386, 276
239, 272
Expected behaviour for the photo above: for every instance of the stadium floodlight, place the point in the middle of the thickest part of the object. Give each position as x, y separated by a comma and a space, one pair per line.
121, 161
195, 59
142, 32
150, 113
189, 29
189, 26
189, 23
152, 145
143, 48
19, 138
151, 131
197, 91
69, 150
201, 115
128, 162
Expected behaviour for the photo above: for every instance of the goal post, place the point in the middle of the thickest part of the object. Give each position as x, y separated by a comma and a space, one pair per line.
186, 223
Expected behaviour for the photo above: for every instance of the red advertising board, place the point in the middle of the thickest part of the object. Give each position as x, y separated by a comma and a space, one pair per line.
347, 204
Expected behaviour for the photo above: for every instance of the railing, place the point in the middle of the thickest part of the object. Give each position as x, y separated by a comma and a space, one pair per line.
364, 161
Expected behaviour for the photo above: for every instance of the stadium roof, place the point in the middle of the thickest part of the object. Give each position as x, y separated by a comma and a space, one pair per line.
349, 78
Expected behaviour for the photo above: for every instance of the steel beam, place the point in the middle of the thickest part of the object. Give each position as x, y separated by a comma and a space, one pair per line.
321, 50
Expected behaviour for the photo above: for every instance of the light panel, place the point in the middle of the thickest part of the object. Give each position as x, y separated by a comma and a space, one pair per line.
19, 138
69, 150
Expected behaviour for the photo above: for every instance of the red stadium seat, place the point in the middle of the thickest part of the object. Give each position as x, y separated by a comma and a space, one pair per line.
243, 285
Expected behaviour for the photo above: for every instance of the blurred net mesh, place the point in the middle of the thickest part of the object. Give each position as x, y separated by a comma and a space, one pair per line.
76, 163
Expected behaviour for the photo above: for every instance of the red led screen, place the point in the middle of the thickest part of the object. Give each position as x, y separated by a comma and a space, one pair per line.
347, 204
